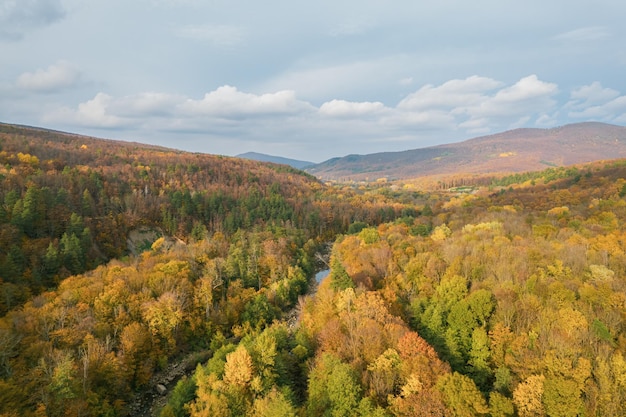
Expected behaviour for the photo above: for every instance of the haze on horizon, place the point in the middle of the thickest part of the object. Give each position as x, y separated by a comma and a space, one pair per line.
309, 81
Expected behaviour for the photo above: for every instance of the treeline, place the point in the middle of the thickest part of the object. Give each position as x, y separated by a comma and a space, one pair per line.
68, 203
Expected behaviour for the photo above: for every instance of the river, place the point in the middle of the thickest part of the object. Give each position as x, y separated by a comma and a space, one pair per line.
320, 276
148, 402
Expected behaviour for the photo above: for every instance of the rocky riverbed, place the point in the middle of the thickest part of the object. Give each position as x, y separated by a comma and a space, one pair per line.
149, 401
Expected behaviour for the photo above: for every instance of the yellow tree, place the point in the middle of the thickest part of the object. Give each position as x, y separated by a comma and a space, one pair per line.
163, 316
528, 397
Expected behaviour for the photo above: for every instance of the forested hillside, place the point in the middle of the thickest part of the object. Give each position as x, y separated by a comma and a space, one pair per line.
68, 203
117, 257
494, 303
506, 298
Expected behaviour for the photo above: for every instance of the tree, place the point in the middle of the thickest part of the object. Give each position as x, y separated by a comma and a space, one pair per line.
333, 389
211, 400
461, 395
184, 392
238, 370
383, 375
163, 316
263, 352
72, 253
339, 278
528, 397
500, 406
258, 312
274, 404
135, 346
479, 358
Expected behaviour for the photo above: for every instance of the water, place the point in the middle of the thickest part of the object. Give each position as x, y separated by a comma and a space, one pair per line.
319, 277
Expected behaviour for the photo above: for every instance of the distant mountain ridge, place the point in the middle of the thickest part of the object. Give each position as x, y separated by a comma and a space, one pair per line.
275, 159
516, 150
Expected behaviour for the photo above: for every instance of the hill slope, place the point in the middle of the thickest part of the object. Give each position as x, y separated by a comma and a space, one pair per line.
69, 203
275, 159
512, 151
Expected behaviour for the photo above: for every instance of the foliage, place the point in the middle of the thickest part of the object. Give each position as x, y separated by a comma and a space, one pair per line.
69, 203
492, 303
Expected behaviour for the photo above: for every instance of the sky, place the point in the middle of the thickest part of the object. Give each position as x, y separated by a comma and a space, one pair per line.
309, 80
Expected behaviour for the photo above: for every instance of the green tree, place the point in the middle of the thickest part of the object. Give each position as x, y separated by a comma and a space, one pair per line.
339, 278
479, 358
183, 393
72, 255
500, 406
333, 389
274, 404
462, 396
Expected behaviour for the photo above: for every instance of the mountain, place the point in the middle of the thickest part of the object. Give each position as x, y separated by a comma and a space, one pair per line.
512, 151
275, 159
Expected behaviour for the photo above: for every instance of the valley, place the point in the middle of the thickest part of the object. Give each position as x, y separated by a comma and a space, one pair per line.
497, 288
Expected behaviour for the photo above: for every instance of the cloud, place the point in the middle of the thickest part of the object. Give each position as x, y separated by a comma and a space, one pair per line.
527, 96
342, 108
528, 88
170, 110
93, 113
591, 94
148, 104
596, 102
586, 34
480, 104
458, 109
55, 77
222, 36
228, 102
611, 111
451, 94
18, 17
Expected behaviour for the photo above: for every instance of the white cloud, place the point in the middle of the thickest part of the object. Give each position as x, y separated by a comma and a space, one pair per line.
149, 104
591, 94
55, 77
18, 17
480, 104
93, 113
611, 111
458, 109
229, 102
529, 95
528, 88
218, 35
590, 33
170, 110
342, 108
593, 101
451, 94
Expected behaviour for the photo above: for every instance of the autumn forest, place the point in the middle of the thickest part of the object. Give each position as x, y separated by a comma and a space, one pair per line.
489, 296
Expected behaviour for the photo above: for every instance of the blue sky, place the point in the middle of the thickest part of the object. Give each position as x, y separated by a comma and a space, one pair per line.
309, 80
